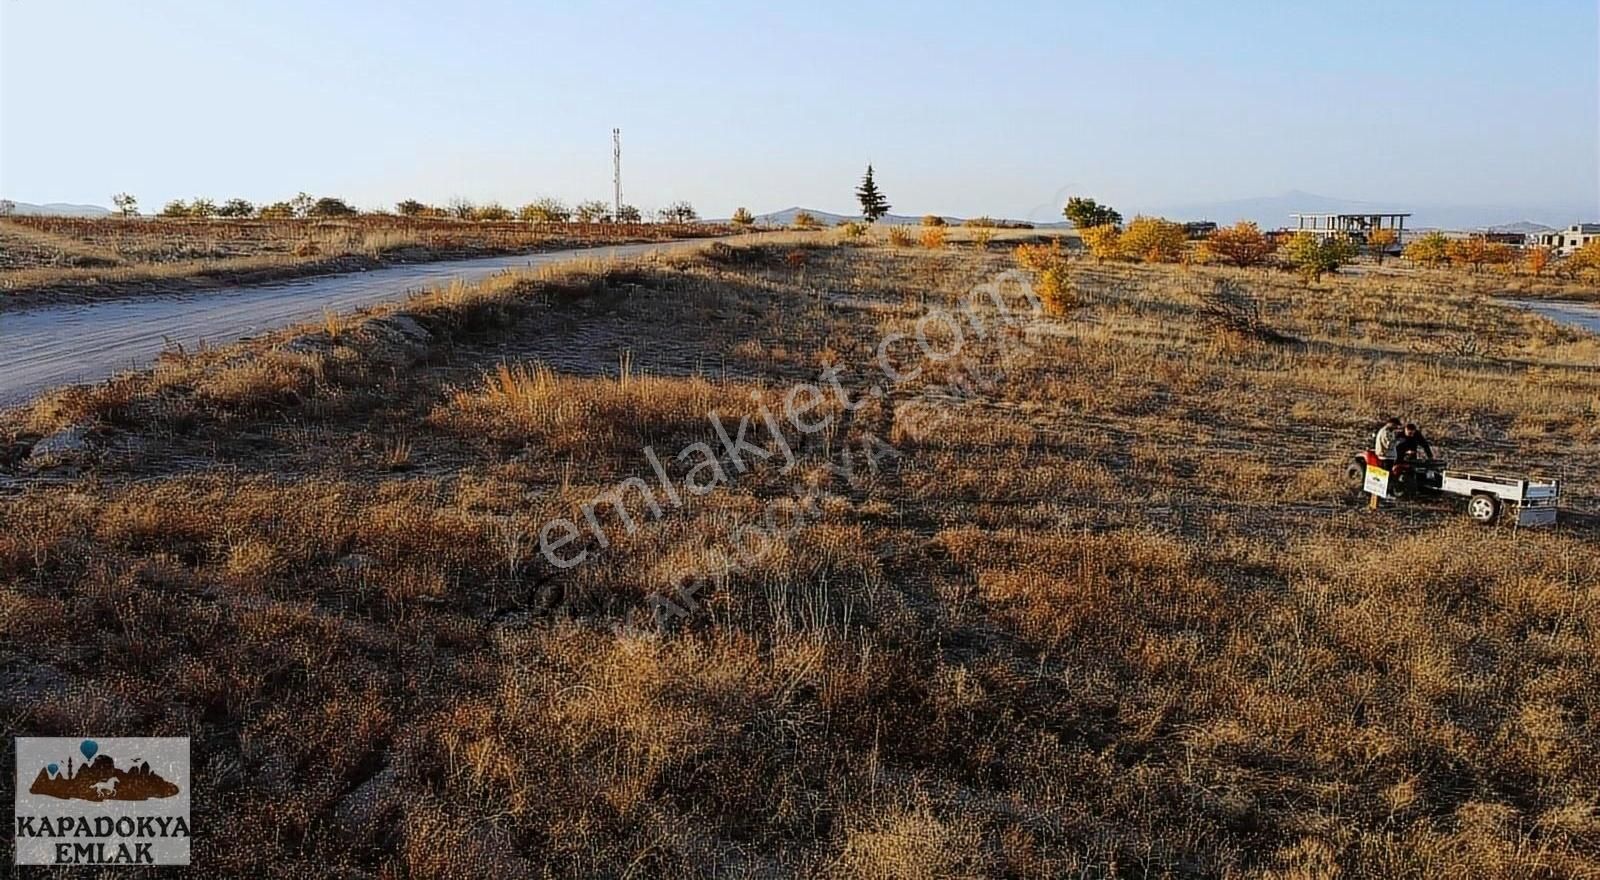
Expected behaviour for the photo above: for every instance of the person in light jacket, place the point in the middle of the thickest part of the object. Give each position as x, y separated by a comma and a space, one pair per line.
1388, 438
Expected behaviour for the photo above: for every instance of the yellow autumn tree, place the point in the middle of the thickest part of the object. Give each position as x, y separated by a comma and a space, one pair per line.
1154, 240
1104, 242
1430, 250
1584, 260
1241, 244
1379, 241
1537, 261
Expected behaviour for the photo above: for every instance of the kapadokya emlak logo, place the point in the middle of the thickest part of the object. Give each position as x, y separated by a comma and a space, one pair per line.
98, 778
110, 801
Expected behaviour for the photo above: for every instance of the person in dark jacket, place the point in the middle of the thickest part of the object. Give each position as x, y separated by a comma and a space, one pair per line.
1410, 443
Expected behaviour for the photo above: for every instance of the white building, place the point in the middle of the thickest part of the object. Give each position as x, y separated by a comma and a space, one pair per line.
1570, 239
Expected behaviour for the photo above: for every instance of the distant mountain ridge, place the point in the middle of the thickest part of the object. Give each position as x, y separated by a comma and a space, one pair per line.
59, 209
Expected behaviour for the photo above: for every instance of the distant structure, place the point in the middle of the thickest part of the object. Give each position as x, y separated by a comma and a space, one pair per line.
1570, 239
616, 173
1197, 229
1354, 226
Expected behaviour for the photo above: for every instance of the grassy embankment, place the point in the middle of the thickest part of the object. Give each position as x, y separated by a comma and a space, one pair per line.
50, 259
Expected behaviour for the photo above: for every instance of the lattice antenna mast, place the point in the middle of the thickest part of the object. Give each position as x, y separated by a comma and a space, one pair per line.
616, 173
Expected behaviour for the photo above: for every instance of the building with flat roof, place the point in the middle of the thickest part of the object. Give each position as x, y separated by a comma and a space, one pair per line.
1356, 227
1567, 240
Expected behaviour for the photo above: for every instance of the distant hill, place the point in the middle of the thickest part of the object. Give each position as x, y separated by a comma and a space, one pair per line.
826, 218
1524, 227
60, 209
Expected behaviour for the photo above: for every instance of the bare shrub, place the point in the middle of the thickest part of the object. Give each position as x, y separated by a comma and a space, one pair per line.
1228, 306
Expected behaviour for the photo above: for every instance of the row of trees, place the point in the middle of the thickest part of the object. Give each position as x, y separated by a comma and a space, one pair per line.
1152, 239
303, 205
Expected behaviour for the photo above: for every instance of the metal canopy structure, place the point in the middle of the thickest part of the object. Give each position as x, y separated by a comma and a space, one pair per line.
1356, 226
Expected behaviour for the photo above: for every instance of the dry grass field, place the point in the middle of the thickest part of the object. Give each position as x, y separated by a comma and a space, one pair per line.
1083, 595
55, 258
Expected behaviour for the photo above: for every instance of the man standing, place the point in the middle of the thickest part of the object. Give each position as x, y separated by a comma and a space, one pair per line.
1386, 441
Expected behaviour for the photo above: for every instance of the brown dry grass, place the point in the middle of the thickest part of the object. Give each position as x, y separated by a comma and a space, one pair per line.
1109, 612
44, 259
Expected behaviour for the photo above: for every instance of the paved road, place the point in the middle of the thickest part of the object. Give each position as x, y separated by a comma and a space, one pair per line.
58, 345
1584, 316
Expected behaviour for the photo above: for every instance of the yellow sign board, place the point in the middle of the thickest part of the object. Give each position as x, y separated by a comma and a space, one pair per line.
1377, 482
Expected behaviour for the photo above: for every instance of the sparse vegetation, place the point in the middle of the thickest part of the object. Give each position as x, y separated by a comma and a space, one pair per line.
1104, 608
804, 220
71, 257
742, 218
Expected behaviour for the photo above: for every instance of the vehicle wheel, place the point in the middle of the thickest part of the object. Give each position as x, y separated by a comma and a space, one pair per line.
1357, 473
1483, 508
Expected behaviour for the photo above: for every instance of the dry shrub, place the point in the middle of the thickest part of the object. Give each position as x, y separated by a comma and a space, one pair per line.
932, 237
1229, 307
571, 414
901, 236
907, 842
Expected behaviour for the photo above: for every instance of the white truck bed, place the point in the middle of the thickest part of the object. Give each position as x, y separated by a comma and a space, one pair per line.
1533, 502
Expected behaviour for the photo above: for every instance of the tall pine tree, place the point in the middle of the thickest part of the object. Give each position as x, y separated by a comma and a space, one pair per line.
873, 204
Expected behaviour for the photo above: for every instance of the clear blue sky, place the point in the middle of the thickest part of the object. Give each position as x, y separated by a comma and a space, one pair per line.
964, 108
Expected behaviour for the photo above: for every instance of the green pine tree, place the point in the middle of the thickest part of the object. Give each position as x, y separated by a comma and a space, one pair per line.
873, 204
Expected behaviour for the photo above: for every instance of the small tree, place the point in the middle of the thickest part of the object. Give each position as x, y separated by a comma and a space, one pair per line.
1104, 242
7, 207
410, 208
492, 212
328, 206
593, 211
1585, 260
678, 212
1537, 261
202, 207
1379, 241
1154, 240
236, 208
932, 220
742, 218
804, 220
127, 205
545, 210
1241, 244
302, 204
277, 211
1087, 213
1430, 250
175, 208
873, 204
1315, 257
630, 214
